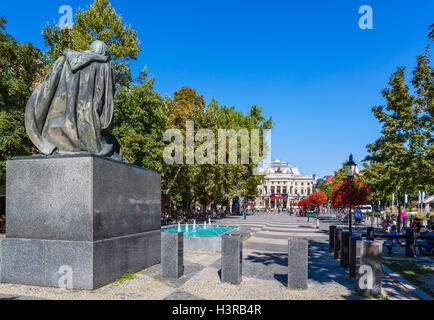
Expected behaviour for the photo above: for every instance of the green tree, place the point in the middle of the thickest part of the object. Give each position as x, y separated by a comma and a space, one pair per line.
19, 71
401, 160
141, 117
99, 21
211, 183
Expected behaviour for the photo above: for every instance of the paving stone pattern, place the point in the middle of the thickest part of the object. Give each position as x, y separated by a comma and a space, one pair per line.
265, 271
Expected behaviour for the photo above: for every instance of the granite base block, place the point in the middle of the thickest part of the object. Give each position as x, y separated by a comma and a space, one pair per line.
80, 216
172, 254
332, 238
90, 265
80, 198
370, 271
337, 243
298, 255
232, 258
345, 249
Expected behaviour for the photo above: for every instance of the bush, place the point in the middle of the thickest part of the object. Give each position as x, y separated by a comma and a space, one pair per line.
376, 214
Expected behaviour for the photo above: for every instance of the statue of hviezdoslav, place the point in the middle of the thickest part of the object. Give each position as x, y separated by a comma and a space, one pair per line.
71, 111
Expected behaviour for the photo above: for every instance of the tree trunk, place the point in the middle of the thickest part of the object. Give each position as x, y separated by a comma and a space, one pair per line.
172, 182
399, 215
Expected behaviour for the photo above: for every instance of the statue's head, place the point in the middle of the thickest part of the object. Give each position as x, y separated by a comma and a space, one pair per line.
99, 47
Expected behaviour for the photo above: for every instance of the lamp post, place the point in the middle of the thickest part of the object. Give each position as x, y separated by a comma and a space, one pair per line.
350, 168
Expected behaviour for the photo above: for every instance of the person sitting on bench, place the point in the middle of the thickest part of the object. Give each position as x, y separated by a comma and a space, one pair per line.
391, 242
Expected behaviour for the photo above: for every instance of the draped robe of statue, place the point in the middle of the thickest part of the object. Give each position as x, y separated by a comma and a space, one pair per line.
71, 111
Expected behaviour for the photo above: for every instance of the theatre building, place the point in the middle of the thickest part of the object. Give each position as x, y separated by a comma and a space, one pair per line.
283, 185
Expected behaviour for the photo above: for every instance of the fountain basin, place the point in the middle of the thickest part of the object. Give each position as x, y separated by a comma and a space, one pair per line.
209, 239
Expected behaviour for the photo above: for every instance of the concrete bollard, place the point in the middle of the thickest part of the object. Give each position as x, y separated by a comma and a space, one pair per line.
409, 243
370, 271
355, 246
172, 254
232, 258
298, 250
345, 249
337, 248
370, 235
332, 238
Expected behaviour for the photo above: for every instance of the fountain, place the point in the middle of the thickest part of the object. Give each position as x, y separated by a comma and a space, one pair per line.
203, 237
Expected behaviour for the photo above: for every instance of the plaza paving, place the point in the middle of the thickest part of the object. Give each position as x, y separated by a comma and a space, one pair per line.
264, 271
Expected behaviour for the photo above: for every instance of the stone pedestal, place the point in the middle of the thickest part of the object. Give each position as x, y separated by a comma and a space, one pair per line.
409, 243
172, 254
370, 271
355, 248
232, 258
332, 238
337, 248
345, 249
370, 234
298, 250
79, 221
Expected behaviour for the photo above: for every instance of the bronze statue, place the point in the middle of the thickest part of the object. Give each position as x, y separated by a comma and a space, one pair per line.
71, 111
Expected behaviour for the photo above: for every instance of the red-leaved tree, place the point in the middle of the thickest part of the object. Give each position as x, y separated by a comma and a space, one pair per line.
349, 193
318, 198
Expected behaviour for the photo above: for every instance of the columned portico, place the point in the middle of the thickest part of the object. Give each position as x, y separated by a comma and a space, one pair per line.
283, 185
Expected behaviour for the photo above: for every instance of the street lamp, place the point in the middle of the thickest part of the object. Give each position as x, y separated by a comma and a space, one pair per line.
350, 168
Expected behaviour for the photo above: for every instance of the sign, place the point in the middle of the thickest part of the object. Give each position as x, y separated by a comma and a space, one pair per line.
279, 196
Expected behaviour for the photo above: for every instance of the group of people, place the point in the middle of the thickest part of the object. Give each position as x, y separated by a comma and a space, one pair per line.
389, 225
284, 210
359, 217
389, 222
168, 218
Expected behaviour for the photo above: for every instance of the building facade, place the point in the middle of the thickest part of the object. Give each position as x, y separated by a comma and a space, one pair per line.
283, 186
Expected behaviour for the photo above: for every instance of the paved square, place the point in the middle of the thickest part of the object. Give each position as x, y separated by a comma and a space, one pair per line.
264, 271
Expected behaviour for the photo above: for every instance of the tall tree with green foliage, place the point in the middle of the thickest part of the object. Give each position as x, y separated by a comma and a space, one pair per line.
99, 21
212, 182
401, 160
19, 71
141, 117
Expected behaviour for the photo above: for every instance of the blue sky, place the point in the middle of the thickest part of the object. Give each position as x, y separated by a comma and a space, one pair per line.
306, 62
